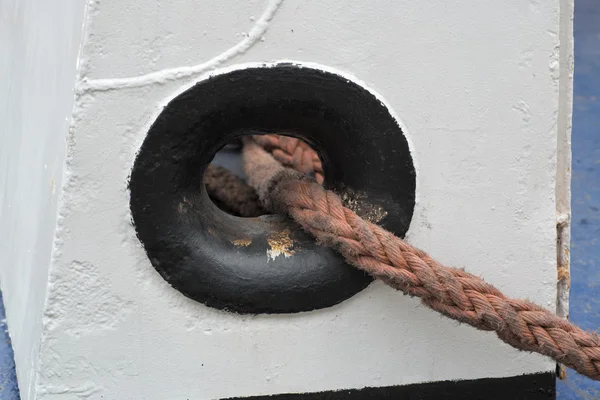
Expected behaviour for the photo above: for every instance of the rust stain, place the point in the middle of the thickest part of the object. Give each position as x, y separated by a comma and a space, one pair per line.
564, 274
564, 267
242, 242
280, 243
564, 252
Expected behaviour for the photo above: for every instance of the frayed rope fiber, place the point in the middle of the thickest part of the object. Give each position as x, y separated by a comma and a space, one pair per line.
457, 294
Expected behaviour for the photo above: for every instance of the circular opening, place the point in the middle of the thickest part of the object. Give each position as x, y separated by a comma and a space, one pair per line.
266, 264
226, 183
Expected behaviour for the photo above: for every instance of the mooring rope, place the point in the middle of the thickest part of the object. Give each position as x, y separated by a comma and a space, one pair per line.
450, 291
293, 152
230, 193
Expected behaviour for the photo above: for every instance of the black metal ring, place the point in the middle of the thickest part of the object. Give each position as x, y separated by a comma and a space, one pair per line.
266, 264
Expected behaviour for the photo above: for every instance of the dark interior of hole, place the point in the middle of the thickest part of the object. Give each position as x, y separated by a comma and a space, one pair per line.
226, 184
230, 158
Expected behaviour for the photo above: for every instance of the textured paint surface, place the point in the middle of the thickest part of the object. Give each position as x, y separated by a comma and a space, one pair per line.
585, 242
477, 87
39, 42
474, 121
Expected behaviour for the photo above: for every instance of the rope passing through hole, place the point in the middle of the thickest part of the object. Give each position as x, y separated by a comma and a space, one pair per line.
457, 294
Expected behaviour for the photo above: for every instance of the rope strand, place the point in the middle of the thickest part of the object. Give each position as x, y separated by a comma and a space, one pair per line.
452, 292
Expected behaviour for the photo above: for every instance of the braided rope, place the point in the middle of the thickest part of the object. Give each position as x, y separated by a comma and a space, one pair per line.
293, 152
452, 292
230, 193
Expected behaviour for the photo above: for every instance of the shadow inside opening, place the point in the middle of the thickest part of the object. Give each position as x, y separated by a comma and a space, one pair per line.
226, 182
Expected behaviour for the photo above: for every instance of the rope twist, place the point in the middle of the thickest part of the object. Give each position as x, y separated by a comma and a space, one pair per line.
452, 292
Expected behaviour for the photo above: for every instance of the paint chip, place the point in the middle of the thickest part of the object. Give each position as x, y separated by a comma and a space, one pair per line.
242, 242
281, 244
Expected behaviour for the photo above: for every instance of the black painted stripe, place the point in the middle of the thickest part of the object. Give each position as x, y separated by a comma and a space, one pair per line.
541, 386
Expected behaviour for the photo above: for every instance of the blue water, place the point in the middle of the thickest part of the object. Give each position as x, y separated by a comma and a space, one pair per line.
8, 381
